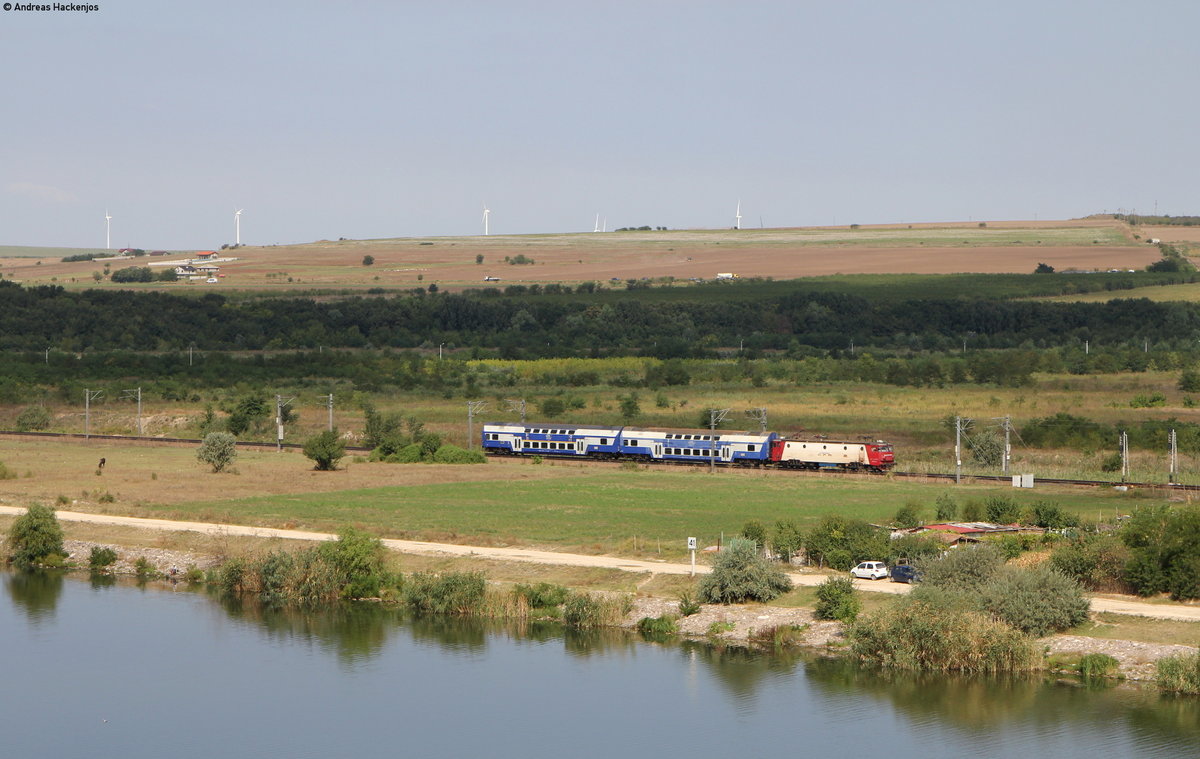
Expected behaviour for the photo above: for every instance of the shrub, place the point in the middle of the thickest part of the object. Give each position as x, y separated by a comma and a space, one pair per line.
1097, 561
908, 516
658, 626
326, 449
33, 418
837, 599
778, 636
101, 557
1002, 510
368, 260
218, 450
6, 473
918, 635
840, 542
544, 595
1051, 516
1166, 551
962, 569
786, 540
36, 537
144, 569
357, 558
583, 611
756, 531
947, 508
452, 454
1098, 665
688, 604
449, 593
1036, 601
740, 574
1178, 674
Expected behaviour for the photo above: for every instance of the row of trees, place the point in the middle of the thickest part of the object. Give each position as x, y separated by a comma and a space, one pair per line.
31, 319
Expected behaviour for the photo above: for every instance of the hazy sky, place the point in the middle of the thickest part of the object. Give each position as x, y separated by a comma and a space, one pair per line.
385, 119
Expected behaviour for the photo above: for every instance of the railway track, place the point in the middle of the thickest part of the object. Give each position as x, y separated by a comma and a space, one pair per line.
252, 445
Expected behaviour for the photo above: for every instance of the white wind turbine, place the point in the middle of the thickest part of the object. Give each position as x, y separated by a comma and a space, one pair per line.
237, 227
738, 216
596, 226
107, 230
486, 213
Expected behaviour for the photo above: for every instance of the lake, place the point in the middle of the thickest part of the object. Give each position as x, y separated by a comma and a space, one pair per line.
109, 669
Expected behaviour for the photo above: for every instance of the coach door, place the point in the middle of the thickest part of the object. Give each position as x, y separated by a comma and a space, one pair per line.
657, 448
726, 453
580, 446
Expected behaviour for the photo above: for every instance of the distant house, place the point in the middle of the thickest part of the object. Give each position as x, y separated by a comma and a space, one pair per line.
209, 269
205, 254
185, 270
158, 252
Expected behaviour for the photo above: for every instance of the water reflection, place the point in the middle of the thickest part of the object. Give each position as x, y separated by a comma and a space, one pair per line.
35, 592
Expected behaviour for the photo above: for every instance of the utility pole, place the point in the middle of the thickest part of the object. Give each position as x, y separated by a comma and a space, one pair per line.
329, 405
1174, 441
517, 406
473, 408
715, 417
280, 404
190, 346
961, 425
88, 397
1006, 422
1123, 443
131, 395
760, 416
47, 357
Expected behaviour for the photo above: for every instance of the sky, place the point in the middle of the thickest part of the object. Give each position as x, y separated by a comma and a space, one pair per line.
403, 119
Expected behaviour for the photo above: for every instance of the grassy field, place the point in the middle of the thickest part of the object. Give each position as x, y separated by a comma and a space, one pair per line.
683, 254
643, 512
1189, 293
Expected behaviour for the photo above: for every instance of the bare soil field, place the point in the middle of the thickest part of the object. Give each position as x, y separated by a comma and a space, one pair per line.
1171, 233
451, 262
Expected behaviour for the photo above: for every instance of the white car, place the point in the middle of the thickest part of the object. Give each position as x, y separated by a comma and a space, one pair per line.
870, 570
211, 280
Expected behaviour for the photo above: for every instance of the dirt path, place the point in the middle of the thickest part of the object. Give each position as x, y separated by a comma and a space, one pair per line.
1116, 606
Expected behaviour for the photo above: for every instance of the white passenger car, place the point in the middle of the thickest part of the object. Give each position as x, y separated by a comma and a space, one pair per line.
870, 570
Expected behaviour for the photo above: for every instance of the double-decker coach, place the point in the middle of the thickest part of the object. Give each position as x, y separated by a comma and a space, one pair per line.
551, 440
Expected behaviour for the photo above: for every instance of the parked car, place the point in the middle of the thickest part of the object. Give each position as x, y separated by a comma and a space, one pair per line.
905, 573
870, 570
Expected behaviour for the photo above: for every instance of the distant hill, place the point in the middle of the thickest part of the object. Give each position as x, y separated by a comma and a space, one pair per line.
33, 251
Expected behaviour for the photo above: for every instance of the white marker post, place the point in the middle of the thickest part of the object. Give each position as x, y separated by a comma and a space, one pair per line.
692, 548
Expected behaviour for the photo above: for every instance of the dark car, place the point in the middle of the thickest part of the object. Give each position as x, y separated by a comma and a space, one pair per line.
905, 573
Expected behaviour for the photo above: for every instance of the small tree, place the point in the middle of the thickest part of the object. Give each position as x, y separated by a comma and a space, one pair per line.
740, 574
218, 450
908, 516
479, 258
1044, 269
837, 599
33, 418
756, 531
786, 540
1036, 601
630, 408
326, 449
368, 260
36, 537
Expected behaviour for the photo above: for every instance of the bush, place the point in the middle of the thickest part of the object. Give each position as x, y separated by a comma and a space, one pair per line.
756, 531
218, 450
1098, 562
840, 542
1166, 551
409, 454
947, 508
33, 418
1036, 601
368, 260
962, 569
326, 449
908, 516
786, 540
658, 626
452, 454
915, 634
101, 557
583, 611
357, 557
449, 593
1002, 510
36, 537
688, 605
1178, 674
1098, 665
1051, 516
144, 569
837, 599
740, 575
544, 595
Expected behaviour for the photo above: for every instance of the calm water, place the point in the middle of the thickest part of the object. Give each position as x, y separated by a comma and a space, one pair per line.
111, 670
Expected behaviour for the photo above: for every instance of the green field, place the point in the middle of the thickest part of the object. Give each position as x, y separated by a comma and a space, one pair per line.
639, 513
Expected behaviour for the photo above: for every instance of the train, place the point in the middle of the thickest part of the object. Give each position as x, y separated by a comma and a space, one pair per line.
556, 439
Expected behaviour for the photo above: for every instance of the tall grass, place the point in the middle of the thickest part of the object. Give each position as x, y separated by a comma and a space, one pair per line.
586, 611
1179, 674
916, 635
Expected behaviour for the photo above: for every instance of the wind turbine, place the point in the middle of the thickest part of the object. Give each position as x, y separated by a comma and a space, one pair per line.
107, 230
596, 226
738, 216
237, 226
486, 213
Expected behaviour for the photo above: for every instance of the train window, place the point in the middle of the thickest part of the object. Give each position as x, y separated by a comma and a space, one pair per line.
751, 448
844, 448
603, 441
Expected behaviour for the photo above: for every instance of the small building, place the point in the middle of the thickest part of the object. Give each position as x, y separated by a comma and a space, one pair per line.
186, 270
208, 269
204, 255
